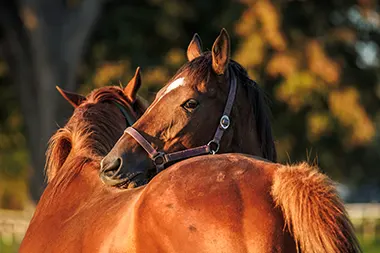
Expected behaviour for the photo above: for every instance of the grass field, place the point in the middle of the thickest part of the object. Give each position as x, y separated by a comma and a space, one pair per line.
5, 248
371, 247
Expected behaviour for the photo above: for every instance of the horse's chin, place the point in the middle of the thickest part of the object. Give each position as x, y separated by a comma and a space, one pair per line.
137, 181
129, 181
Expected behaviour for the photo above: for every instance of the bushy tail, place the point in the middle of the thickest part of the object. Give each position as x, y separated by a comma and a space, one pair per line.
313, 212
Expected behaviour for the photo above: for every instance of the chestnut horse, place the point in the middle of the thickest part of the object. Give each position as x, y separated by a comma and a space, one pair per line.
228, 202
73, 159
239, 203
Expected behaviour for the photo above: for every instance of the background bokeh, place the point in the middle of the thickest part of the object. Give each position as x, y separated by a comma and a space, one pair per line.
318, 62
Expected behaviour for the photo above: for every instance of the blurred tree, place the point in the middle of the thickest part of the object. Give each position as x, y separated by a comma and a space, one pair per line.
319, 59
13, 151
152, 34
43, 43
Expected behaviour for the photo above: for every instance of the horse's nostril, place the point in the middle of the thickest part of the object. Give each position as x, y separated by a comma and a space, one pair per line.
111, 169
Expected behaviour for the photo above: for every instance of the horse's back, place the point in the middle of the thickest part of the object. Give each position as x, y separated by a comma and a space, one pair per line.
104, 223
218, 203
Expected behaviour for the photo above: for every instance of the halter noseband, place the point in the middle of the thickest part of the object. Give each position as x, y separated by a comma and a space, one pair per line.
160, 158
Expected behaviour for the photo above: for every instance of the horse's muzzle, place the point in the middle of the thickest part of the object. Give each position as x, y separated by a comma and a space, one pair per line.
112, 173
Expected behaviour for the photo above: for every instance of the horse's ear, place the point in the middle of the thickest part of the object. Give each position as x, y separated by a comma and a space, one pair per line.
133, 86
221, 53
194, 49
73, 98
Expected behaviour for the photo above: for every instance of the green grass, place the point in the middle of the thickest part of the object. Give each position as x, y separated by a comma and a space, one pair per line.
370, 246
5, 248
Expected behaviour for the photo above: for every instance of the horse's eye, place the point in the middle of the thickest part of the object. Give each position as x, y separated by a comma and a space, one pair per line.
190, 104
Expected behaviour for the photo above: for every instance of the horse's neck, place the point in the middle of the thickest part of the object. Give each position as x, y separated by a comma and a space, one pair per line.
60, 206
72, 194
245, 133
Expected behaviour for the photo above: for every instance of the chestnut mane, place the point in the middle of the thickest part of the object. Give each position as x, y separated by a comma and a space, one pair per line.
89, 134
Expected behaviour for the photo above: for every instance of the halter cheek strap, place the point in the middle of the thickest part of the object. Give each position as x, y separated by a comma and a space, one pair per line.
160, 158
130, 119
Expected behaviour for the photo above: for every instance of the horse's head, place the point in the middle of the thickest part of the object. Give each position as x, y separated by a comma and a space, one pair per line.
209, 92
96, 124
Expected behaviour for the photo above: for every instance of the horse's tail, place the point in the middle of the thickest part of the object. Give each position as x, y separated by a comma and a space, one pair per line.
313, 212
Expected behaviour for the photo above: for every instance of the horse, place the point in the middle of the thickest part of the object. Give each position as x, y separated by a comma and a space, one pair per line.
240, 203
73, 158
210, 105
227, 202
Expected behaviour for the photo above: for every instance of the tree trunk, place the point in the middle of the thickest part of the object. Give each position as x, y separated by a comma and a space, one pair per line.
44, 42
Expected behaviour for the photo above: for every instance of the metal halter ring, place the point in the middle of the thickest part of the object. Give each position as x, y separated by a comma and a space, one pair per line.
159, 159
216, 147
224, 122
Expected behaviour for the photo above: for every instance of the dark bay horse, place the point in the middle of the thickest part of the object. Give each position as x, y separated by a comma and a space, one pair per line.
209, 106
228, 202
73, 159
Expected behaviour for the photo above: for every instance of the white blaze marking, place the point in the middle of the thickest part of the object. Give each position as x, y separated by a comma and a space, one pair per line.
174, 85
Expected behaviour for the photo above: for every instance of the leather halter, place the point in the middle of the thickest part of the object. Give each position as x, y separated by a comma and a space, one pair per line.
160, 158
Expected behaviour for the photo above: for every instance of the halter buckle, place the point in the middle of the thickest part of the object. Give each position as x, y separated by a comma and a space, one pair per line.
213, 146
224, 122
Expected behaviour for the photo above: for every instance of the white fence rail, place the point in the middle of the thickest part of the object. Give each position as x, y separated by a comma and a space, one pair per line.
13, 225
366, 219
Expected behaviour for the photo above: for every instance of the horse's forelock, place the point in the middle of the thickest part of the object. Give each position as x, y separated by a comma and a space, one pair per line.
197, 70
